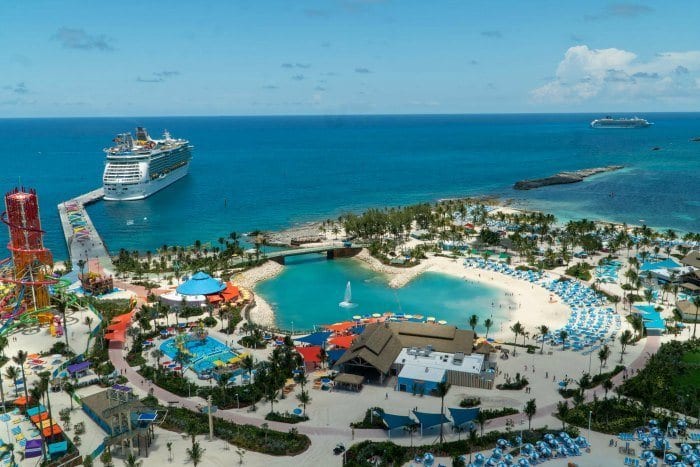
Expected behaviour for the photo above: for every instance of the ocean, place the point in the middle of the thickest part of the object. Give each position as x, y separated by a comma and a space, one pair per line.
271, 172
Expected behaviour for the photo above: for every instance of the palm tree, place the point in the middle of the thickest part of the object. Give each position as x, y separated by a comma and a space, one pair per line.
696, 302
607, 385
81, 265
648, 296
3, 343
195, 453
603, 355
481, 420
88, 321
517, 329
543, 330
614, 299
637, 324
488, 324
12, 373
563, 335
19, 359
562, 412
248, 364
441, 391
530, 410
473, 321
304, 398
169, 445
625, 339
61, 303
271, 397
131, 461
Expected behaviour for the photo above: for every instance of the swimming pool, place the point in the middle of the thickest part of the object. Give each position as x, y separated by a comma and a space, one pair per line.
204, 352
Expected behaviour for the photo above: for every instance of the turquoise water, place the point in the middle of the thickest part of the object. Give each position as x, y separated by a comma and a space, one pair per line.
308, 292
204, 352
269, 172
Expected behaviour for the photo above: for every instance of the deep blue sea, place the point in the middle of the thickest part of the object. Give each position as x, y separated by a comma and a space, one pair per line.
270, 172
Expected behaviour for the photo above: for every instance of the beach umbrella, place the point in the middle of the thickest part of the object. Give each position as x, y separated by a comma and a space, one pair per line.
501, 443
428, 459
670, 458
497, 453
508, 459
524, 463
479, 458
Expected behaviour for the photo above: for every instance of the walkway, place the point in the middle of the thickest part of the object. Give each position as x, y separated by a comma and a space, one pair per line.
650, 348
91, 249
116, 356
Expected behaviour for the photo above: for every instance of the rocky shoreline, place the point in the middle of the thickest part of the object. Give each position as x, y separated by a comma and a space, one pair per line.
563, 178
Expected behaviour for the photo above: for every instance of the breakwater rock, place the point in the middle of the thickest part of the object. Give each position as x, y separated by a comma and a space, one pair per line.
563, 178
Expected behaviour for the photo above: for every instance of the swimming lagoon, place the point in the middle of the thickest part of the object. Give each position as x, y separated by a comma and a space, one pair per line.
309, 290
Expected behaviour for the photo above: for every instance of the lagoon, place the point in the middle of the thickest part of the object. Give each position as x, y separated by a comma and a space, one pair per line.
310, 288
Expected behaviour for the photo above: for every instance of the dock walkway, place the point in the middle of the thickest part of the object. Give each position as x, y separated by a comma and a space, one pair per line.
82, 239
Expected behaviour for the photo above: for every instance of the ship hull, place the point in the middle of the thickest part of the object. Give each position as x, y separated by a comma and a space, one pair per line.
133, 192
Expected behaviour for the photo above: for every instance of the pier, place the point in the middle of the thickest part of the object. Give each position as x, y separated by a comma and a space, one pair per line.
82, 239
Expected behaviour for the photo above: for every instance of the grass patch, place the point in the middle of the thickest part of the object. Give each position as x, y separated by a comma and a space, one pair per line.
285, 417
370, 420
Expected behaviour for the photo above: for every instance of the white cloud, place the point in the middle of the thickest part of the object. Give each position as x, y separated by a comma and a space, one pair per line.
619, 75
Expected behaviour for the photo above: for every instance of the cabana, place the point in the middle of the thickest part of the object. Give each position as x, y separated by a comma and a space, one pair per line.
58, 448
393, 422
343, 342
349, 380
316, 338
334, 355
341, 327
200, 284
429, 420
461, 417
311, 356
32, 448
78, 370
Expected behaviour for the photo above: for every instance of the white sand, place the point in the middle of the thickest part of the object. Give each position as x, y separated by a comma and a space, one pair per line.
261, 313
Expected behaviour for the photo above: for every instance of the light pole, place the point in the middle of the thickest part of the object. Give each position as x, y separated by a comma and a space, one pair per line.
238, 402
590, 413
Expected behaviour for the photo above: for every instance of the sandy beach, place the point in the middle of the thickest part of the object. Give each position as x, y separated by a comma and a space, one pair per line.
261, 313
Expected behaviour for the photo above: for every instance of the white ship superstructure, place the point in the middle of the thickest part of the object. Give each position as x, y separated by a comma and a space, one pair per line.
137, 168
611, 122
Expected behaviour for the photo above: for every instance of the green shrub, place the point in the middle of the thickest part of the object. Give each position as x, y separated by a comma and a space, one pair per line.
285, 417
370, 420
470, 402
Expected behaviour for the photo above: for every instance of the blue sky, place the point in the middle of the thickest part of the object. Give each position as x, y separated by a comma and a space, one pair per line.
77, 58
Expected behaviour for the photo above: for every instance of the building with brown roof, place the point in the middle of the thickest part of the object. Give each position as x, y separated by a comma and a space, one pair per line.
374, 353
692, 259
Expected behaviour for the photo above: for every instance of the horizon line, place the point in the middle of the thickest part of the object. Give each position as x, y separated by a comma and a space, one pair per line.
332, 115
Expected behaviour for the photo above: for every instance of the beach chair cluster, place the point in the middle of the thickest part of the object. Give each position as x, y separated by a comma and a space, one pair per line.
502, 268
607, 272
76, 218
632, 461
548, 448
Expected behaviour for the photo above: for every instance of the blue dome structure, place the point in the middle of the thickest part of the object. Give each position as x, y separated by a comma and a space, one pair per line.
200, 284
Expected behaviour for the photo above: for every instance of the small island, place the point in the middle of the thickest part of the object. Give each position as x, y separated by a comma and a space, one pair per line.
564, 177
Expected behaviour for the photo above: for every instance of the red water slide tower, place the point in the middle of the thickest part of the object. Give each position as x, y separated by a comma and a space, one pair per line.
32, 262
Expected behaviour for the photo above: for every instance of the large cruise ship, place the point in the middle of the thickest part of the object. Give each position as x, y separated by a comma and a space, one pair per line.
610, 122
137, 168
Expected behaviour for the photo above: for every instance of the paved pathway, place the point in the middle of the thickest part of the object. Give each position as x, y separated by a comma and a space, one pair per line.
116, 356
650, 347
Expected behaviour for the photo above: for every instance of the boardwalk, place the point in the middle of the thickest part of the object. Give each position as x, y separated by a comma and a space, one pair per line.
89, 248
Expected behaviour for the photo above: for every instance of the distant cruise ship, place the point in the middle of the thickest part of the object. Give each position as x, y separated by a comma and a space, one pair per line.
610, 122
135, 169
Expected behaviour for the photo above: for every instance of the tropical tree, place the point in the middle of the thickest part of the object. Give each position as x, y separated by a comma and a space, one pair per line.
563, 335
481, 419
488, 324
473, 321
304, 398
195, 453
696, 302
169, 445
20, 359
562, 412
441, 391
131, 461
61, 302
603, 355
637, 324
248, 364
607, 386
543, 330
530, 410
648, 296
271, 397
517, 329
625, 339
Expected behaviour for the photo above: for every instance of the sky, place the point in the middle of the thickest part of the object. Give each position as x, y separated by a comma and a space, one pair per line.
288, 57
